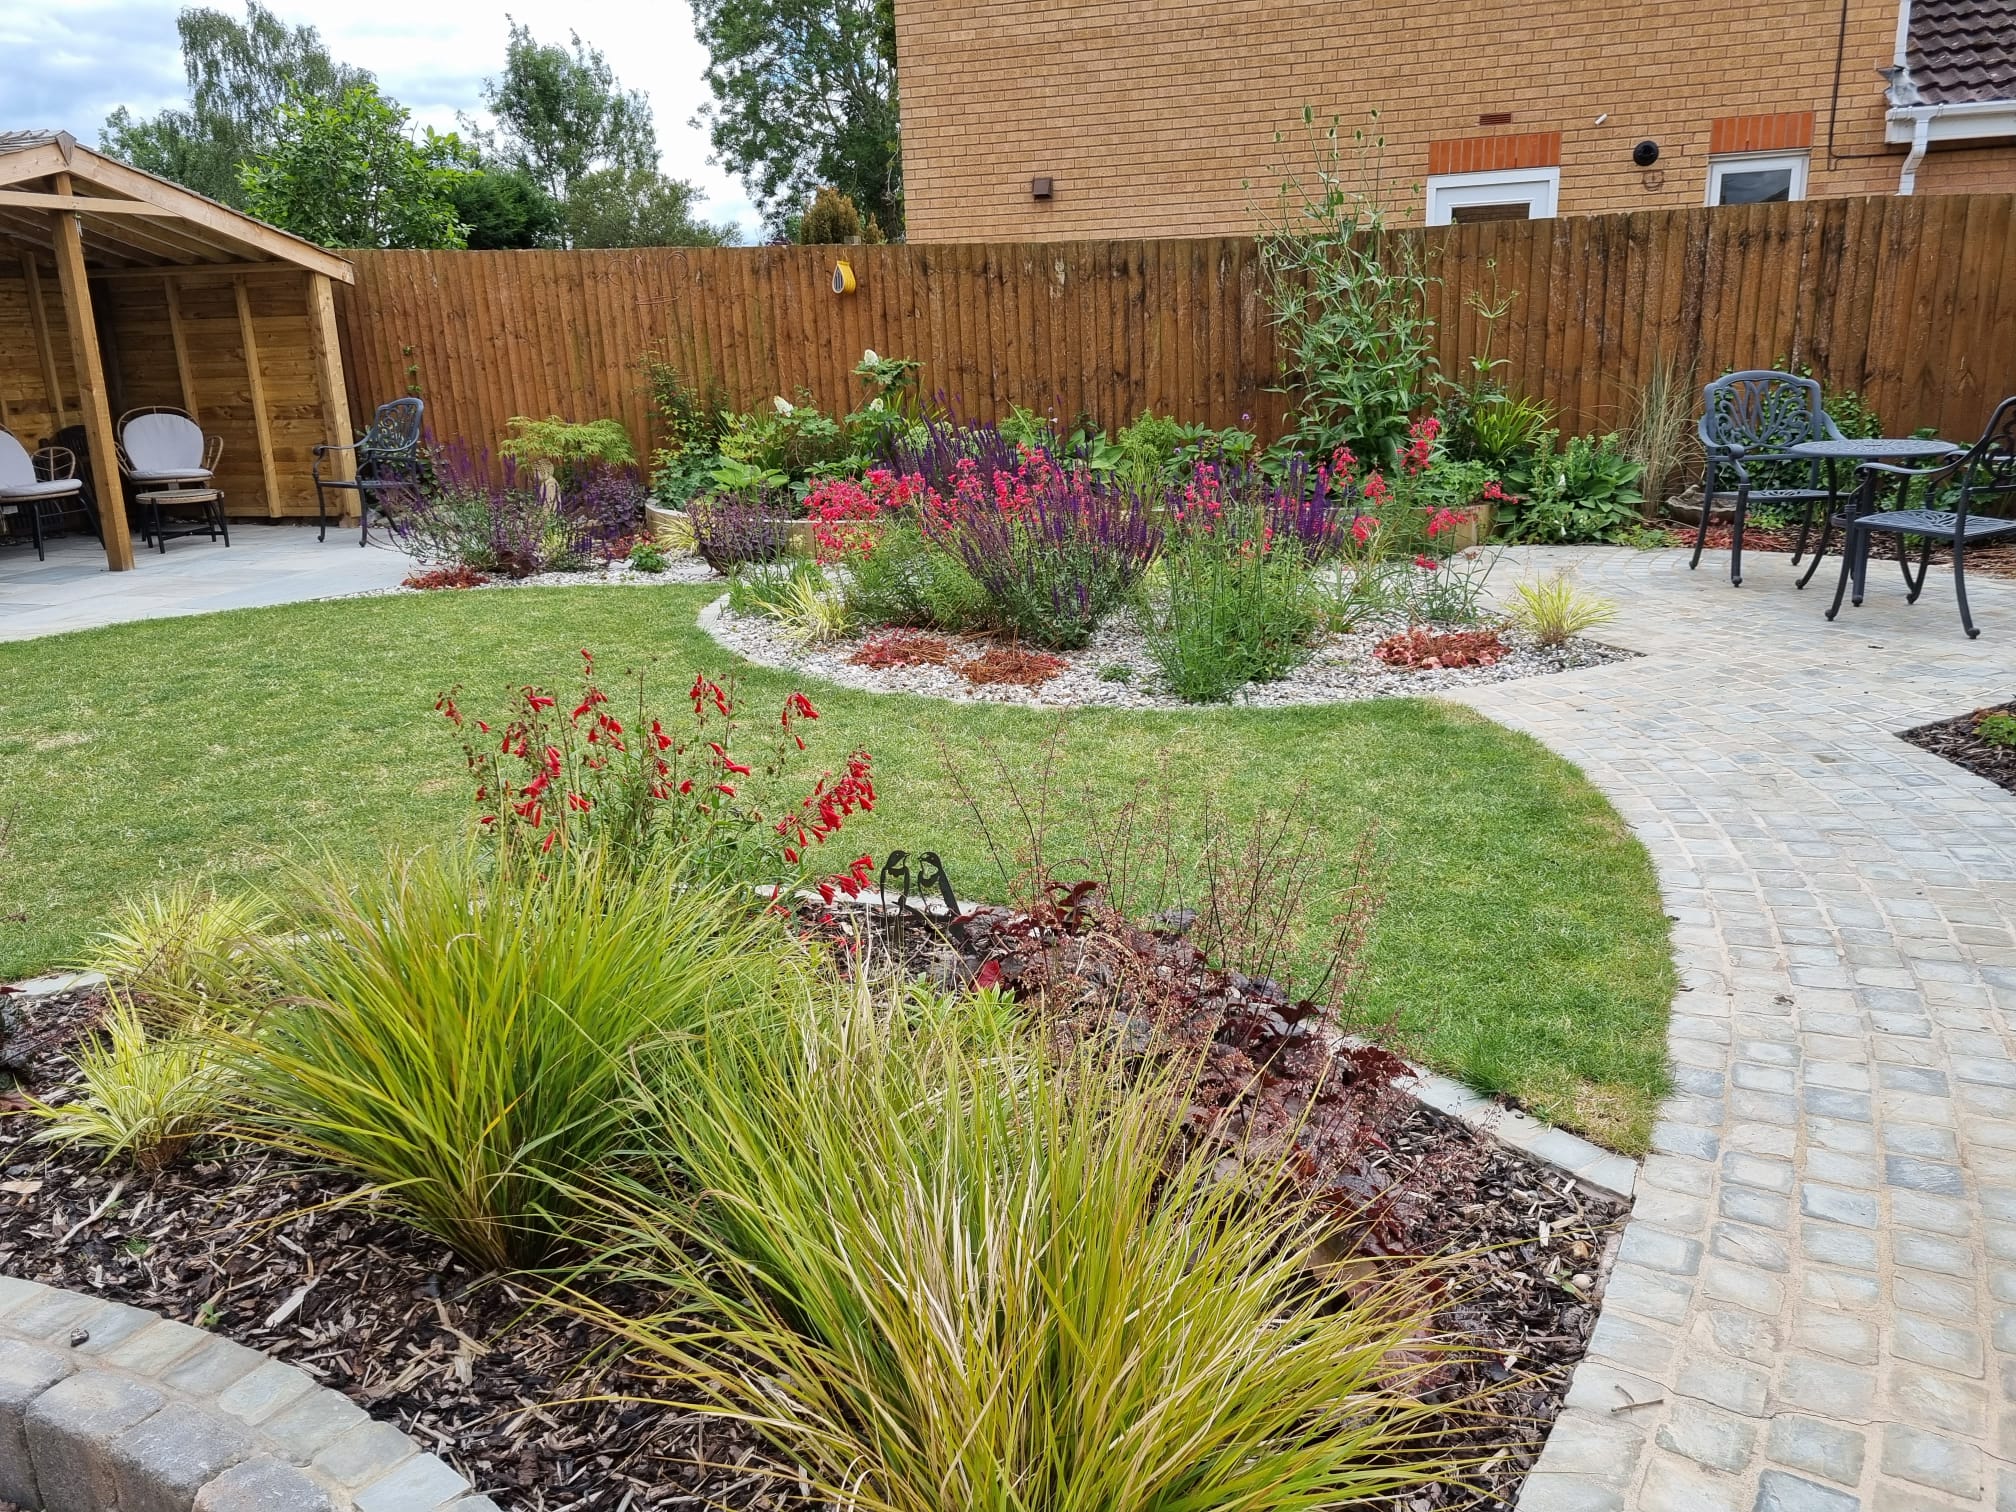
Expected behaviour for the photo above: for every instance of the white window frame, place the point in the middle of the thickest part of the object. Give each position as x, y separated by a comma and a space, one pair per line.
1540, 188
1749, 162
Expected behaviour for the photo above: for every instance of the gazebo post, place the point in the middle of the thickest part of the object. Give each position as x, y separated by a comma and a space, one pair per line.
68, 237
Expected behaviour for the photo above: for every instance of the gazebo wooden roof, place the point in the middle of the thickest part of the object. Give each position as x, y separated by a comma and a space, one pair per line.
145, 243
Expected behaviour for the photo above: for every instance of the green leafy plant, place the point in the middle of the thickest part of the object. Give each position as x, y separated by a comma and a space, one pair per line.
145, 1090
1586, 492
991, 1282
1553, 609
461, 1037
688, 413
1348, 298
903, 579
1116, 672
790, 438
1997, 729
647, 556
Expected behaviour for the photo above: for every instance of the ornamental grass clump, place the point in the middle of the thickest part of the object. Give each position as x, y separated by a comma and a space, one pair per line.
460, 1037
146, 1089
1237, 604
935, 1268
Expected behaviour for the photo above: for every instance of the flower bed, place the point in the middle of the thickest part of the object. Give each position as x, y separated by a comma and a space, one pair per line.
1117, 668
1983, 742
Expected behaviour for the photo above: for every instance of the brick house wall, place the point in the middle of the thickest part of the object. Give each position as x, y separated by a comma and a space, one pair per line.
1152, 117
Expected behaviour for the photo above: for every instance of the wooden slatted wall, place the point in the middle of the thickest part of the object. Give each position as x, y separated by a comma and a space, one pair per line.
1911, 301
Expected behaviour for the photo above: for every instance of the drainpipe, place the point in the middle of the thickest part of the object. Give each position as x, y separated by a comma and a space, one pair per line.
1921, 138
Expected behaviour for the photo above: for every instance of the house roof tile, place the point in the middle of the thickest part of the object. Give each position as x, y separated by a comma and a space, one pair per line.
1961, 50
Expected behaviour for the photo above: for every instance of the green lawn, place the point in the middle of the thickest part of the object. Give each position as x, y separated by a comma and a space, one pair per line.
1522, 945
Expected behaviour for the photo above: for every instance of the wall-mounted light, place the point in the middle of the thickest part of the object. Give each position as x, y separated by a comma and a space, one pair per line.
1041, 188
843, 277
1645, 154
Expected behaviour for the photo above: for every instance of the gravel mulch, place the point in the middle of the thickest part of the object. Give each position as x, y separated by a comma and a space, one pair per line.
1341, 670
1956, 741
678, 569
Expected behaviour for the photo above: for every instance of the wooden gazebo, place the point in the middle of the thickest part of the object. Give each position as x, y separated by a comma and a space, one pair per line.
120, 290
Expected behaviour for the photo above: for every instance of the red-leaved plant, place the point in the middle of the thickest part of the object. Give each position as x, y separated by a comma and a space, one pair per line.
543, 778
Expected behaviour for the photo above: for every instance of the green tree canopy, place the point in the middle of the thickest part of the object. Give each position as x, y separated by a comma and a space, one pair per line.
617, 207
805, 95
349, 174
504, 209
562, 115
241, 76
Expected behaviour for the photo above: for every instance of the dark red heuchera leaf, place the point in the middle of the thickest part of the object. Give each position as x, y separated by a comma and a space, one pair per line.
1423, 649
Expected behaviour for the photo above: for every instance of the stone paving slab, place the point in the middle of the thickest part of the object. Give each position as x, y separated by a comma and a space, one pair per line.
265, 564
1814, 1307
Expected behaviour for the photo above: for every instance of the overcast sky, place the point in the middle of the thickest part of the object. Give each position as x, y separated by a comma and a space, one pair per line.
64, 64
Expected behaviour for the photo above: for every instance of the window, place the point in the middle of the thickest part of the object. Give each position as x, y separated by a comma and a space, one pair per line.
1756, 178
1506, 194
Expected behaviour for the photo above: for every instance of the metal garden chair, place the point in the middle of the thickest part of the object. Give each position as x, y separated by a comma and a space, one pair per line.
1984, 474
387, 461
1751, 418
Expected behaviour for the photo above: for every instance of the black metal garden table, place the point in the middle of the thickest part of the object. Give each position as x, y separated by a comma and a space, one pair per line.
1857, 450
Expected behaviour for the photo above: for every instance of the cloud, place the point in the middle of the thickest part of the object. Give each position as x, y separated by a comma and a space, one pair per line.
69, 65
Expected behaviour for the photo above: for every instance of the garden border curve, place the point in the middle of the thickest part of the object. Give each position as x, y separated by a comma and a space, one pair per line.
103, 1406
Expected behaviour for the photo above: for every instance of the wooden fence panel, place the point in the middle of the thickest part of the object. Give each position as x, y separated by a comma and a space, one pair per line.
1912, 301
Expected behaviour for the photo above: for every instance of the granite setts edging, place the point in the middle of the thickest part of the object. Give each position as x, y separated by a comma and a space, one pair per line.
110, 1408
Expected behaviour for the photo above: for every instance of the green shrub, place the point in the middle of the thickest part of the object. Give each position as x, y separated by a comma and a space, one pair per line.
569, 447
935, 1271
647, 556
1586, 492
1348, 298
461, 1038
145, 1090
903, 579
794, 439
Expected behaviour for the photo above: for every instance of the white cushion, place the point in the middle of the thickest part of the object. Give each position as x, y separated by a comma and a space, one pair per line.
40, 488
171, 475
170, 445
17, 468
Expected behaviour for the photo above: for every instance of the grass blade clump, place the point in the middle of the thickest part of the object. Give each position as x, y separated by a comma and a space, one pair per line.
461, 1037
938, 1272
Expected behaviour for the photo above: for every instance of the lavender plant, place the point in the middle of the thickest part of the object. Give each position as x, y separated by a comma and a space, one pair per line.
735, 528
458, 516
1054, 548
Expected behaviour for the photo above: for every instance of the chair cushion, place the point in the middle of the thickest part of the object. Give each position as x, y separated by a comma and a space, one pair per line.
50, 488
1935, 522
161, 443
170, 475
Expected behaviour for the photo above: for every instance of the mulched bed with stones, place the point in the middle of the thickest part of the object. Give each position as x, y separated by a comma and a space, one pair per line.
518, 1396
1990, 561
1956, 741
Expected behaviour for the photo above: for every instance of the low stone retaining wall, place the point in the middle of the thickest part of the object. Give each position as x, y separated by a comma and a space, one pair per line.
110, 1408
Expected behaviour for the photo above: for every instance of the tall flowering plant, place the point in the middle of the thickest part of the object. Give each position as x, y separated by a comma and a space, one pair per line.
1054, 548
544, 778
1418, 509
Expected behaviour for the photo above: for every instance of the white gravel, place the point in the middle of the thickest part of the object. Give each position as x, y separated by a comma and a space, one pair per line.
678, 569
1341, 670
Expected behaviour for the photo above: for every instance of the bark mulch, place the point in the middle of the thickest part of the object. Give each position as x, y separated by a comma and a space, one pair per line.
518, 1396
1956, 741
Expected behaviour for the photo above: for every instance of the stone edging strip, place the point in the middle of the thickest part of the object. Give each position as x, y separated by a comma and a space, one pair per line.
107, 1406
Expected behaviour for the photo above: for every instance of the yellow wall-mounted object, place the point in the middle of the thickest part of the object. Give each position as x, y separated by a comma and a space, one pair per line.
843, 277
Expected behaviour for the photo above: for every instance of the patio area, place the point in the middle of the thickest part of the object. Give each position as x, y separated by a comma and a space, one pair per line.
265, 564
1812, 1305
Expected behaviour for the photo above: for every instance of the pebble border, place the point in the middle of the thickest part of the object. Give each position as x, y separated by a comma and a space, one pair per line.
105, 1406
